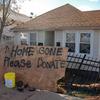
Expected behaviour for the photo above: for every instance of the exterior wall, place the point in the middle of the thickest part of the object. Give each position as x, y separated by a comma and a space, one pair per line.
59, 37
41, 37
96, 44
27, 37
33, 38
99, 46
17, 39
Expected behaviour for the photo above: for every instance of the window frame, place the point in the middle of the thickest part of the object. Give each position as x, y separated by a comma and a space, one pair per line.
77, 41
72, 42
85, 42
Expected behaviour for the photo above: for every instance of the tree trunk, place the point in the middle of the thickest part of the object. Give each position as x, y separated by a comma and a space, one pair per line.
0, 36
1, 31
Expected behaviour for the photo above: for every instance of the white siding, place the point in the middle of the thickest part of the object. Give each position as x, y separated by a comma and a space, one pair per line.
49, 38
59, 37
99, 45
28, 36
41, 36
96, 44
17, 39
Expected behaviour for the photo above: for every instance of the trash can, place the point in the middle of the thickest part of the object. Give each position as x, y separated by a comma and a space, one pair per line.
9, 79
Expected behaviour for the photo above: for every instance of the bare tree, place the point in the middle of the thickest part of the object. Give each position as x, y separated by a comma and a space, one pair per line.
5, 6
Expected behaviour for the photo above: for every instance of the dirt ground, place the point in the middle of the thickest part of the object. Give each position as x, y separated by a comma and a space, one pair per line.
13, 94
93, 98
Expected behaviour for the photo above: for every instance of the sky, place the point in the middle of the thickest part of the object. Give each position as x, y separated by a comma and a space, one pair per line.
39, 7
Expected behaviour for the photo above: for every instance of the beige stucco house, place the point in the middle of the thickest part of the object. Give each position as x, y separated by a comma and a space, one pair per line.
65, 26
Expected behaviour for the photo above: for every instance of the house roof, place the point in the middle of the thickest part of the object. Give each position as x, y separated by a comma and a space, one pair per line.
20, 17
13, 14
64, 17
94, 14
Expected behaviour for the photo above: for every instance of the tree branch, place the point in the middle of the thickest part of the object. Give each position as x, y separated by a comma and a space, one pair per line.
7, 10
3, 15
10, 23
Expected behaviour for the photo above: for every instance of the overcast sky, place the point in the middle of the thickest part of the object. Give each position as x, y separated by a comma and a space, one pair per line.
41, 6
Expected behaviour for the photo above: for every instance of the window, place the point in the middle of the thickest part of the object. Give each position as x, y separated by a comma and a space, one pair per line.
85, 42
70, 41
32, 38
79, 42
57, 43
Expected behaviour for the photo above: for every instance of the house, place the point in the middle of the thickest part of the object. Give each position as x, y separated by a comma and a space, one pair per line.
13, 20
65, 26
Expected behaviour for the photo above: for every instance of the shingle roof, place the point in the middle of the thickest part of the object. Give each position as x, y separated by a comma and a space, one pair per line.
95, 14
64, 17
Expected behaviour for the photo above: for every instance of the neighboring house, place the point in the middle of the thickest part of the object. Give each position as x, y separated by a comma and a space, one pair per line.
65, 26
13, 20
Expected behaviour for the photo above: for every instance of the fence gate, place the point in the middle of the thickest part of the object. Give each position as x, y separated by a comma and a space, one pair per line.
82, 73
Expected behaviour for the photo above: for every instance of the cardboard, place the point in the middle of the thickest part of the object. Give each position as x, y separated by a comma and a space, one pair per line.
38, 66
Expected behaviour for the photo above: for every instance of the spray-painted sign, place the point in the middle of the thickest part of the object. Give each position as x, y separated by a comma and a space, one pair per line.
39, 66
16, 51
